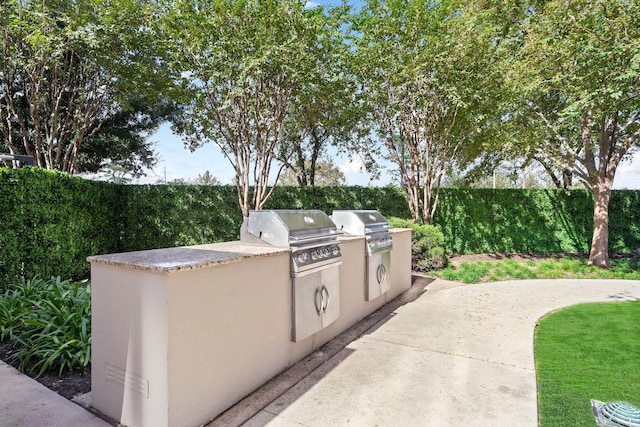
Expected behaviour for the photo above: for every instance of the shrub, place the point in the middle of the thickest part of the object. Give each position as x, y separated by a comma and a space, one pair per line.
427, 244
49, 322
51, 222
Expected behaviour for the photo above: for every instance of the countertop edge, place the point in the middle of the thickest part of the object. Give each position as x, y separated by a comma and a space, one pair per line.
184, 258
188, 257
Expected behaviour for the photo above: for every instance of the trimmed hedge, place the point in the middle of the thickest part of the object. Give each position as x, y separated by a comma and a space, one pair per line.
159, 216
533, 221
52, 221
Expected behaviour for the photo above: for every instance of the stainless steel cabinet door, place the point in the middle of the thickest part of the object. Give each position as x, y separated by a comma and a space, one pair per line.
331, 295
316, 301
378, 277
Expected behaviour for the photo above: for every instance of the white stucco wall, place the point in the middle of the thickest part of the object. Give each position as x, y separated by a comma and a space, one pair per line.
181, 334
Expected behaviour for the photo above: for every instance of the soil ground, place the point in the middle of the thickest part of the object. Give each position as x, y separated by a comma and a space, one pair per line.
69, 384
456, 260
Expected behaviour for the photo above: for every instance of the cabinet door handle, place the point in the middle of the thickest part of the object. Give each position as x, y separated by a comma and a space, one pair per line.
318, 300
325, 301
381, 273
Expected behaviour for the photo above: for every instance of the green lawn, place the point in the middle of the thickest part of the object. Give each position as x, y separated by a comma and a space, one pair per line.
588, 351
509, 269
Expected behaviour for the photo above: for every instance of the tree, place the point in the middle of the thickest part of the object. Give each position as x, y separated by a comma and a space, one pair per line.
325, 173
123, 138
65, 67
578, 72
425, 69
243, 64
206, 179
329, 110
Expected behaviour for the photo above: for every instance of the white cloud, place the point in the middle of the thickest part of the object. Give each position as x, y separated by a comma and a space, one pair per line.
628, 174
352, 166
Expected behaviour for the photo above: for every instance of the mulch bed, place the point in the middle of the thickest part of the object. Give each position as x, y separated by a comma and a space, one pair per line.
68, 385
456, 260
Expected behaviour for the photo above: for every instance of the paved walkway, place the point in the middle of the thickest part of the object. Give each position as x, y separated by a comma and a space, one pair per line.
24, 402
457, 355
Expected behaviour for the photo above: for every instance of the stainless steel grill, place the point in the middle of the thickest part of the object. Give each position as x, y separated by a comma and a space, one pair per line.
315, 258
375, 228
310, 234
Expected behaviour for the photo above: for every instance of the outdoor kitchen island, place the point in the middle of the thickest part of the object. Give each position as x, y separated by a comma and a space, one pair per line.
181, 334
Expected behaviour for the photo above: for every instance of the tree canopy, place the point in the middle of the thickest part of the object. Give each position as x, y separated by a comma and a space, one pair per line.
575, 76
442, 86
245, 67
426, 72
66, 67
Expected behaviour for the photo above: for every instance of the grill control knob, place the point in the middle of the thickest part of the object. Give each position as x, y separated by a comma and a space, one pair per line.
303, 257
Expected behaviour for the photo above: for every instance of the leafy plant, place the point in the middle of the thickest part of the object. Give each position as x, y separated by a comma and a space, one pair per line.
509, 269
468, 272
49, 323
427, 244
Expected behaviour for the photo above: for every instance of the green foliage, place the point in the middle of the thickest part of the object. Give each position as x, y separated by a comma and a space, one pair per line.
510, 269
426, 71
427, 244
160, 216
588, 351
467, 272
49, 323
245, 68
68, 66
389, 201
51, 221
531, 221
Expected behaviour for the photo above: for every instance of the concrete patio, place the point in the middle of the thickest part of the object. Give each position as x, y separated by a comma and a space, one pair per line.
442, 355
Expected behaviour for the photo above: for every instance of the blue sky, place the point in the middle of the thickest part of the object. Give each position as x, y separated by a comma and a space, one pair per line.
179, 163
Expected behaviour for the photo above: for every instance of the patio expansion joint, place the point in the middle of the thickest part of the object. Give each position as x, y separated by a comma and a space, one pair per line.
449, 353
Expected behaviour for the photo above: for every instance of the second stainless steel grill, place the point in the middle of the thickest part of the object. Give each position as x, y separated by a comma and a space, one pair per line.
315, 258
375, 228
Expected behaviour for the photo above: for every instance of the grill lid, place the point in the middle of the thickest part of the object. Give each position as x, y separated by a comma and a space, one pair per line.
360, 222
286, 228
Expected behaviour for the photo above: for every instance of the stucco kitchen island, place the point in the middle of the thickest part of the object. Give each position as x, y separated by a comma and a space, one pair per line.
181, 334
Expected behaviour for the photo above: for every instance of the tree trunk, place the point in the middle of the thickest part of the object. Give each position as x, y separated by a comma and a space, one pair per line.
599, 255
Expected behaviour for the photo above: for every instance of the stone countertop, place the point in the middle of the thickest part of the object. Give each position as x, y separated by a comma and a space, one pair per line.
168, 260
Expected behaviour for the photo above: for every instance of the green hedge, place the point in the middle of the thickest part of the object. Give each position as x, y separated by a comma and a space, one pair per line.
159, 216
533, 221
52, 221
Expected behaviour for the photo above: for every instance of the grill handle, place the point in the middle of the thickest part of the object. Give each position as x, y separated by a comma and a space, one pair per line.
381, 273
322, 299
318, 300
325, 302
